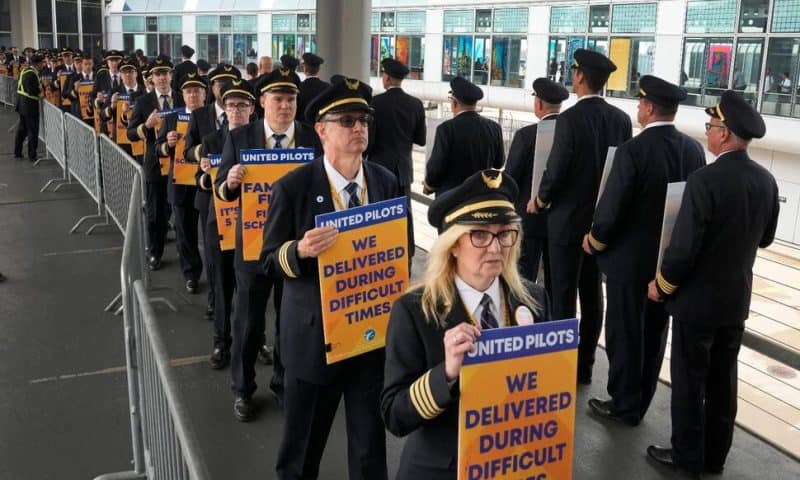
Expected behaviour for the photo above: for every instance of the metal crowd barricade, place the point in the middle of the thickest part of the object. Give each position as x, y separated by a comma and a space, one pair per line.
83, 159
42, 136
54, 140
5, 93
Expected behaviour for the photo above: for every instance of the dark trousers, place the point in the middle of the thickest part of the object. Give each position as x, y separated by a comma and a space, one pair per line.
28, 127
309, 412
210, 244
573, 271
220, 265
249, 322
186, 218
158, 213
534, 252
636, 335
704, 381
410, 225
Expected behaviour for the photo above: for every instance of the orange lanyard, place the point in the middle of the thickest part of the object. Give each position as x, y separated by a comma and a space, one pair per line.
337, 199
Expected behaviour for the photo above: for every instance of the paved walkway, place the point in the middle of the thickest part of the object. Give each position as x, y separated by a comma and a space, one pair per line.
63, 399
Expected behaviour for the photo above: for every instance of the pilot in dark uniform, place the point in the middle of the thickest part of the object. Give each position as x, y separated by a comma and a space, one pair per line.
61, 73
240, 98
129, 86
729, 210
186, 66
547, 103
433, 326
569, 187
142, 126
278, 129
210, 118
399, 124
625, 236
312, 85
107, 82
465, 144
28, 91
313, 389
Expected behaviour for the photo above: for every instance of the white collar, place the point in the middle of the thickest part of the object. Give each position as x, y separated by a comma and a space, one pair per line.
338, 180
726, 151
658, 124
591, 95
135, 87
219, 110
472, 299
159, 94
268, 132
548, 116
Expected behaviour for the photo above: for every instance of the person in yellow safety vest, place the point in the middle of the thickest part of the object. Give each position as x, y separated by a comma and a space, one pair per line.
28, 92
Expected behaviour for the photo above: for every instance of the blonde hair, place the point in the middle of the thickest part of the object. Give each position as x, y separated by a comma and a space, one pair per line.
438, 287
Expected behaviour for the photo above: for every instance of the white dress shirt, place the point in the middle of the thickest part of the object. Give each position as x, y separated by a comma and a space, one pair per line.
472, 300
340, 183
285, 142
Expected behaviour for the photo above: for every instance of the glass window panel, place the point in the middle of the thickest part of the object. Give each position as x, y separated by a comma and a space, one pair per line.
747, 69
457, 59
45, 40
313, 22
67, 18
374, 50
481, 60
225, 23
207, 23
598, 44
635, 18
132, 24
208, 47
5, 17
459, 21
375, 22
245, 48
44, 17
410, 22
633, 62
387, 21
568, 19
225, 48
786, 16
92, 44
560, 53
511, 20
245, 24
91, 17
135, 6
780, 84
283, 23
508, 61
710, 16
753, 16
483, 21
598, 18
303, 22
172, 24
706, 69
282, 45
152, 24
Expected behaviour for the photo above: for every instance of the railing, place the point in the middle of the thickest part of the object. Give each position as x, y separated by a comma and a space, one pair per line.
53, 121
83, 159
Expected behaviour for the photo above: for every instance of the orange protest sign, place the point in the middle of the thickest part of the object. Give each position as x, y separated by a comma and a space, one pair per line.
263, 168
84, 92
361, 275
182, 170
517, 404
227, 212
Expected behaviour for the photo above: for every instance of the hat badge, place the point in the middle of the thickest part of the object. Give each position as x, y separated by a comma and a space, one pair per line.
490, 182
351, 84
191, 75
227, 68
284, 71
236, 83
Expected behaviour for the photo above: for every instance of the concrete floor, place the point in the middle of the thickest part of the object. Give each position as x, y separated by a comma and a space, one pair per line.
63, 399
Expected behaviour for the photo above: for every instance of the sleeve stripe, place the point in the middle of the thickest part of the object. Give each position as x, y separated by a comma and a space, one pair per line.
165, 149
222, 192
140, 131
664, 285
414, 394
596, 244
197, 153
540, 203
426, 387
422, 398
283, 259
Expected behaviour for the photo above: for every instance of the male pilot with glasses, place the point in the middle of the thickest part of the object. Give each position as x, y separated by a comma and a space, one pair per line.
338, 180
278, 129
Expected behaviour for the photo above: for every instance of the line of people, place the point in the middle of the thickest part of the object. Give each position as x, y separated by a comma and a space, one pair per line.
495, 232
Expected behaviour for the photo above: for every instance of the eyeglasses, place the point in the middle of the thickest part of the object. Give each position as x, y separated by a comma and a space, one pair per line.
484, 238
238, 106
709, 126
348, 121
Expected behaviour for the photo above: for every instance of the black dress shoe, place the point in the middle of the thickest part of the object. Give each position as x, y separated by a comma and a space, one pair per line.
244, 409
2, 278
664, 456
154, 262
209, 315
605, 409
191, 286
265, 354
219, 358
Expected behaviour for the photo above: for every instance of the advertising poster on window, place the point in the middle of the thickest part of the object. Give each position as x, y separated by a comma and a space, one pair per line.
620, 54
719, 64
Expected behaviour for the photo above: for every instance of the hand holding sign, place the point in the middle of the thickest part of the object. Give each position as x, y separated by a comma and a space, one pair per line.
235, 176
153, 119
458, 341
205, 164
172, 138
316, 241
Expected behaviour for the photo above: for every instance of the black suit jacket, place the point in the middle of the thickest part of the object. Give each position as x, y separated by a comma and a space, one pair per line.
627, 221
212, 144
202, 122
415, 361
463, 145
729, 210
309, 88
291, 214
572, 177
181, 69
242, 138
183, 195
519, 166
399, 123
31, 86
145, 105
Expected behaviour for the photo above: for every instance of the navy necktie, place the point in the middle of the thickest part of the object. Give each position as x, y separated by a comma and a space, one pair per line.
223, 120
352, 190
278, 139
487, 317
165, 102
